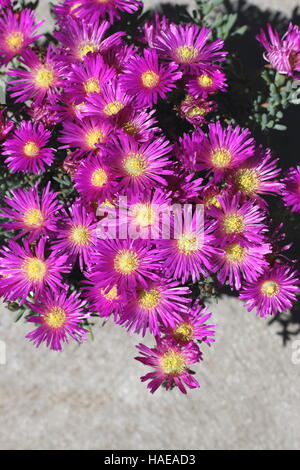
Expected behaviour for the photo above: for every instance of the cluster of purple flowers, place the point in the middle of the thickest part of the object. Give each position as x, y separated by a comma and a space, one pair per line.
99, 97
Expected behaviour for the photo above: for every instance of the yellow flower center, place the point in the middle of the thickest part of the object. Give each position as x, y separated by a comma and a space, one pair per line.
220, 157
149, 299
93, 137
130, 128
270, 288
34, 269
247, 180
235, 253
233, 223
14, 41
80, 235
33, 218
184, 332
85, 48
126, 262
44, 77
150, 79
110, 295
186, 54
92, 86
99, 178
31, 149
112, 108
172, 363
187, 243
135, 164
196, 111
56, 317
143, 214
205, 80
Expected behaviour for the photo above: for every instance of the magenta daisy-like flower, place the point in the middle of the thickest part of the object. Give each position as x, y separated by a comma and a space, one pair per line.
85, 134
125, 263
160, 304
188, 45
89, 76
81, 38
93, 180
241, 261
17, 31
30, 213
190, 252
224, 149
207, 81
291, 191
258, 175
193, 326
60, 316
24, 269
105, 302
140, 167
238, 220
282, 53
26, 149
139, 124
76, 235
42, 78
171, 364
109, 103
147, 80
68, 8
92, 10
274, 291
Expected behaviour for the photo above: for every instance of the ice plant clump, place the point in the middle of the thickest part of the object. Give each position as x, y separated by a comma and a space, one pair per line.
131, 188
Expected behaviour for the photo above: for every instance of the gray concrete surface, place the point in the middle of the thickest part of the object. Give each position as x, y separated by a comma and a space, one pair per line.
90, 397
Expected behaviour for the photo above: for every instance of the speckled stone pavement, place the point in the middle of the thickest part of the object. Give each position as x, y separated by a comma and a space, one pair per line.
90, 397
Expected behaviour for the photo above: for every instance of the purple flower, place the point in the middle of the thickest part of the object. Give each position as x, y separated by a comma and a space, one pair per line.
125, 263
274, 291
193, 326
89, 77
160, 304
140, 167
30, 213
207, 81
17, 31
43, 78
241, 261
26, 148
224, 149
24, 270
146, 79
93, 180
258, 175
238, 220
85, 134
171, 364
82, 38
282, 53
59, 317
188, 46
